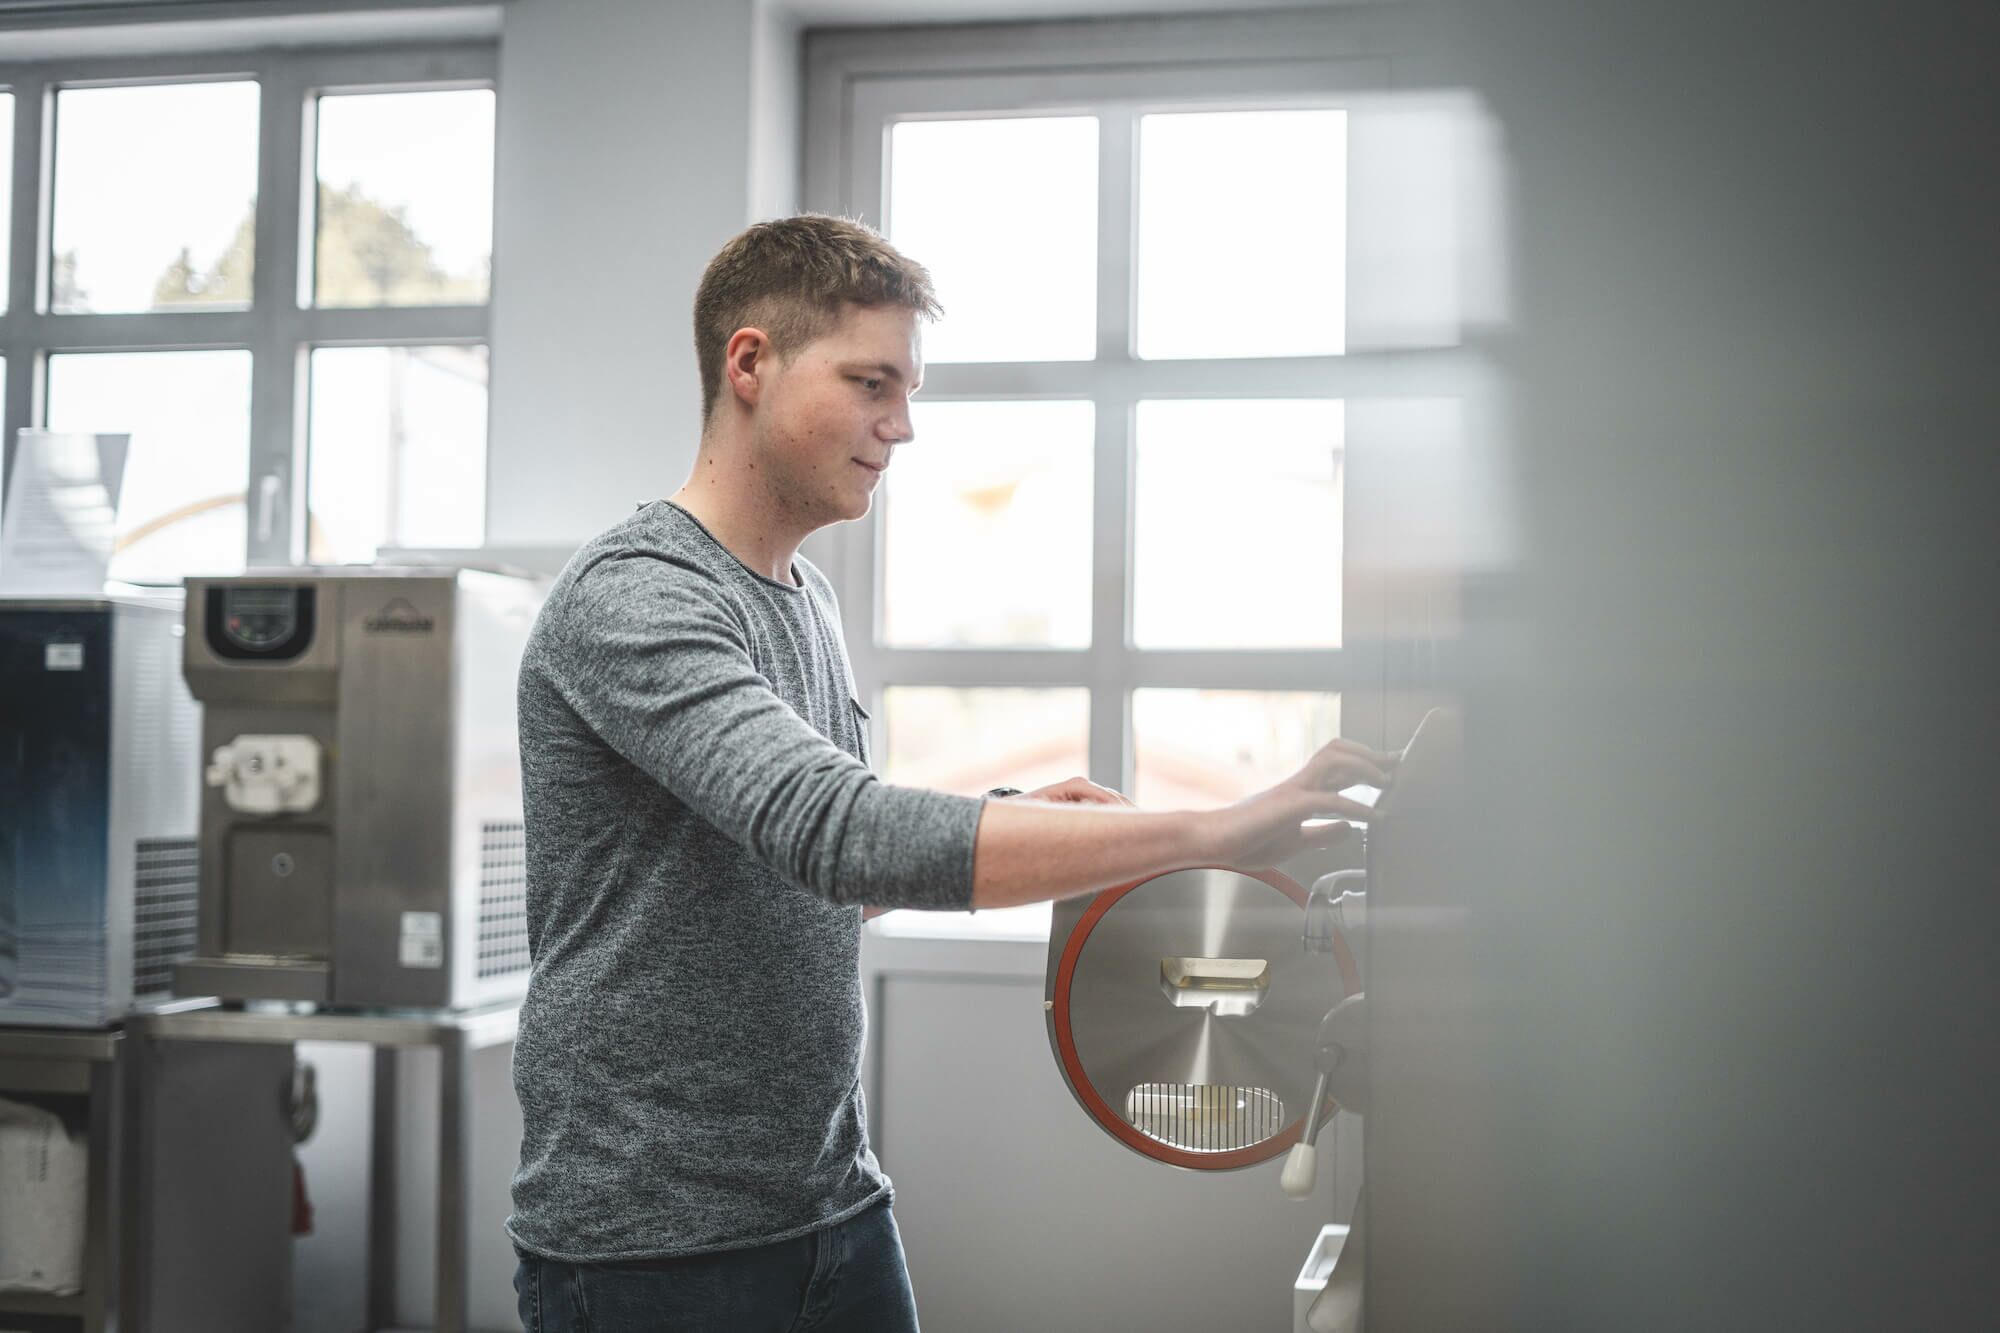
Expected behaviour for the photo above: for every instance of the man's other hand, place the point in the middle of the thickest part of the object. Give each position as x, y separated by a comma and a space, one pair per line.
1077, 791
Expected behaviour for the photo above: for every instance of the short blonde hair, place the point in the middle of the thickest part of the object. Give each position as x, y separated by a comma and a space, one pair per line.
791, 278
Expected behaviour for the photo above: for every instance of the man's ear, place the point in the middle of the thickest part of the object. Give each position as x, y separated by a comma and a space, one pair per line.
744, 361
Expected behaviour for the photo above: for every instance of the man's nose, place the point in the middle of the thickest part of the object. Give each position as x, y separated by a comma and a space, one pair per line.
896, 428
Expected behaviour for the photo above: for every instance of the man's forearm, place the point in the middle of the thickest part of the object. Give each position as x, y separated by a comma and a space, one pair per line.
1028, 851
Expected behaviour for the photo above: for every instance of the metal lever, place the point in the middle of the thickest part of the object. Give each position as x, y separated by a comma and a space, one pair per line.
1333, 909
1342, 1062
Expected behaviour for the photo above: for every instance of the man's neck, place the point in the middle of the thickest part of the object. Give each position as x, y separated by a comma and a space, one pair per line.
733, 504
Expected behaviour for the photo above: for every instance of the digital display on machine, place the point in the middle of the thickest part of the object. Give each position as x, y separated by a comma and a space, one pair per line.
260, 622
260, 617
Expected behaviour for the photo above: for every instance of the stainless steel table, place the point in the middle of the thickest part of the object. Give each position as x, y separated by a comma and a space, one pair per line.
456, 1034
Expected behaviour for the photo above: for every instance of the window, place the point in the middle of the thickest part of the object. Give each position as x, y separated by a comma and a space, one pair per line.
405, 199
1023, 282
1229, 497
155, 197
188, 413
272, 271
1183, 265
1214, 189
398, 446
986, 541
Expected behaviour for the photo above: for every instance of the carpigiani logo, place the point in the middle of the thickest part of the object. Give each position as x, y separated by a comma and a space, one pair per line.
399, 617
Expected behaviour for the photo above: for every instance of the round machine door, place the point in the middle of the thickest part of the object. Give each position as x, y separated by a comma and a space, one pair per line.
1184, 1012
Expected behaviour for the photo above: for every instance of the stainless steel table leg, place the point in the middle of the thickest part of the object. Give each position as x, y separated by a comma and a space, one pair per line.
454, 1280
382, 1201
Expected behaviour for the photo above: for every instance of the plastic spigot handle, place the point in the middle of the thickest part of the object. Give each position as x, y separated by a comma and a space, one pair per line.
1301, 1170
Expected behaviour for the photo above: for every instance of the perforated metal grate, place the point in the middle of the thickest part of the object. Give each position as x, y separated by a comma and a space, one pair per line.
503, 898
1204, 1117
164, 896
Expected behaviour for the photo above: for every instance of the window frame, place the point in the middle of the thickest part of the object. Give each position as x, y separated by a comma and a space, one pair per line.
1402, 347
278, 331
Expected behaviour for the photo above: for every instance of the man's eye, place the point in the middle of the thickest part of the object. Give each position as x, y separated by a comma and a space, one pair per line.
871, 385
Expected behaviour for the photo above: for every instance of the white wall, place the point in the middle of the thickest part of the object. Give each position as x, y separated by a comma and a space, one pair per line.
775, 99
633, 140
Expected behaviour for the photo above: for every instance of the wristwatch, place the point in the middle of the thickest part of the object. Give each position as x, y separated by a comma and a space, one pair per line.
999, 793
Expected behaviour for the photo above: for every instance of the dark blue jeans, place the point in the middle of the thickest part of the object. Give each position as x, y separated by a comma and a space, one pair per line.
847, 1278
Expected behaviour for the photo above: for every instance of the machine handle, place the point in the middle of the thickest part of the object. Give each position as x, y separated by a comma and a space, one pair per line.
1301, 1163
1301, 1168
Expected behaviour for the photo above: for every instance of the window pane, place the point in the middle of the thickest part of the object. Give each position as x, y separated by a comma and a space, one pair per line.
156, 197
1004, 214
181, 511
986, 527
1198, 749
6, 193
1216, 187
969, 741
405, 199
1237, 518
398, 454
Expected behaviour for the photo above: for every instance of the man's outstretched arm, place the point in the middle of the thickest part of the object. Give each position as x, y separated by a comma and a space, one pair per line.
1030, 850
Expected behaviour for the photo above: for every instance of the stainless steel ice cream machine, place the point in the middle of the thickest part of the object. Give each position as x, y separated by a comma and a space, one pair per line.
360, 837
1215, 1018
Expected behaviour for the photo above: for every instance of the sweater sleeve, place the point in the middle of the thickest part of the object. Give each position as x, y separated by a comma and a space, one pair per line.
650, 655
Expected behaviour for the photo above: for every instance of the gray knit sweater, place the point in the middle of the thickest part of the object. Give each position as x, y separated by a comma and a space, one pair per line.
702, 830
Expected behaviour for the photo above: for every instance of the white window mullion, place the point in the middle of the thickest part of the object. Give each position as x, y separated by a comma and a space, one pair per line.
1350, 376
275, 488
1111, 487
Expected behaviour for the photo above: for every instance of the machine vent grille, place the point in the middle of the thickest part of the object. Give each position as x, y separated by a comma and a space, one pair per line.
164, 896
1204, 1117
503, 898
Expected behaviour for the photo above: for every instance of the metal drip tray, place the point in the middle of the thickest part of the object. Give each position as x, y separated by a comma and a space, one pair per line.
1183, 1011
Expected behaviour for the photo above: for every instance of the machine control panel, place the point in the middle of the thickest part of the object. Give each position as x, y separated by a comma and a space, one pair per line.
272, 623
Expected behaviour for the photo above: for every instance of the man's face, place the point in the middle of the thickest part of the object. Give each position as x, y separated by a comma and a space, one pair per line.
828, 421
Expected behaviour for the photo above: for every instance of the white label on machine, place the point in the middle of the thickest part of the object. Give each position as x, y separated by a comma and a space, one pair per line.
423, 939
62, 657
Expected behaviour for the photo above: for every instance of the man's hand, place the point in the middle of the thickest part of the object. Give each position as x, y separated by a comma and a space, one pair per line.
1090, 839
1279, 822
1076, 791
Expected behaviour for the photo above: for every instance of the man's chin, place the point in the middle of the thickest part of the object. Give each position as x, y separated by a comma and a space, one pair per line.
839, 511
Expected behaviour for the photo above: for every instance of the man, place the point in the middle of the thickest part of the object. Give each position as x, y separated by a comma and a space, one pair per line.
703, 831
